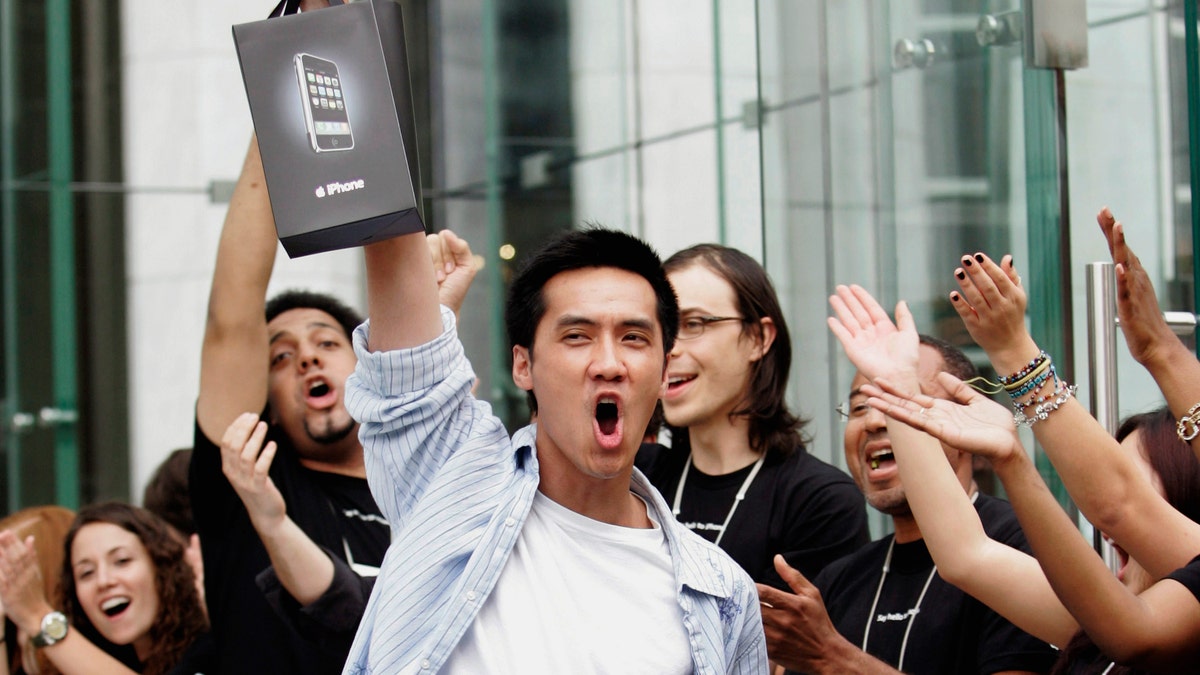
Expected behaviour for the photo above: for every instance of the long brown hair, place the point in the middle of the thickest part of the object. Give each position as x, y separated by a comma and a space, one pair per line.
180, 618
773, 426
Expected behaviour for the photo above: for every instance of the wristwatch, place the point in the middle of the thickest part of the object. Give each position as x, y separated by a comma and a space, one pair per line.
54, 628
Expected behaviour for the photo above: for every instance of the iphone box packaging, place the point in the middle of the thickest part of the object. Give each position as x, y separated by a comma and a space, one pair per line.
330, 98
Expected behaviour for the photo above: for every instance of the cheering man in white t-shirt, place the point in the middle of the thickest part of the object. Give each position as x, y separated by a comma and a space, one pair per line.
544, 552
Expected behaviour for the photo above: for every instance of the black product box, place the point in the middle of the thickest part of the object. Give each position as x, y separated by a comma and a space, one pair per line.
330, 98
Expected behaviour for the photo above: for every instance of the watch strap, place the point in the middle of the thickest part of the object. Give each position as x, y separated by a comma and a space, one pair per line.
53, 620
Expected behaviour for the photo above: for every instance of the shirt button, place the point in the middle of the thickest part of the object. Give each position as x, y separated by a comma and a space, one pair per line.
471, 596
425, 664
509, 522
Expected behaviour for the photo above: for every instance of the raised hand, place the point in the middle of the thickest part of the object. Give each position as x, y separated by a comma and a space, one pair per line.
992, 303
455, 267
970, 422
246, 463
1146, 332
21, 589
876, 346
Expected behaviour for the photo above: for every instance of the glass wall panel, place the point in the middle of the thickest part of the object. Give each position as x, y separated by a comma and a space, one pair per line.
892, 143
1128, 149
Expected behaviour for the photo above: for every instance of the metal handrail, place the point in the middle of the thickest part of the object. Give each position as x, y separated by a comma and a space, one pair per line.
1102, 361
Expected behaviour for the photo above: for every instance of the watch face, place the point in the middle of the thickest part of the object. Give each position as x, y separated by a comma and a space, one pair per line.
55, 626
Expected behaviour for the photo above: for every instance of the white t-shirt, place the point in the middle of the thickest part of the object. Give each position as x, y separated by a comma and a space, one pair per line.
579, 596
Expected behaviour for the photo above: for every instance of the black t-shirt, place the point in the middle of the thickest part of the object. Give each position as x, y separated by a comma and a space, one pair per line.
947, 630
797, 505
1189, 576
200, 658
337, 512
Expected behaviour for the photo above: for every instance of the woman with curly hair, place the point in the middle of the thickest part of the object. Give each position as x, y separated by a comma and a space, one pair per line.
128, 596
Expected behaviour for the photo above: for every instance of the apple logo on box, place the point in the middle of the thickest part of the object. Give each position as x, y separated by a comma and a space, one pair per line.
320, 191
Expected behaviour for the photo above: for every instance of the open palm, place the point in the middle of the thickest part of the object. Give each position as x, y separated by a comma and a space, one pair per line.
970, 422
876, 346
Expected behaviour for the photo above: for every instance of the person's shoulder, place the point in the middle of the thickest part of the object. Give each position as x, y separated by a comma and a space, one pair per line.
662, 464
865, 559
806, 475
200, 657
649, 455
804, 465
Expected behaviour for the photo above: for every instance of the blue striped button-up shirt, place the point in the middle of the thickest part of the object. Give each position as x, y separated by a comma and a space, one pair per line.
456, 490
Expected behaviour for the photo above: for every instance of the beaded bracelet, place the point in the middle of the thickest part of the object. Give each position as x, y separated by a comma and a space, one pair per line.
1032, 375
1063, 393
1040, 399
1189, 425
1035, 383
1024, 372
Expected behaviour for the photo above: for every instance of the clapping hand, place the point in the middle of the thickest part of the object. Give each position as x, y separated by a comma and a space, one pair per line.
247, 464
1146, 331
969, 421
876, 346
992, 303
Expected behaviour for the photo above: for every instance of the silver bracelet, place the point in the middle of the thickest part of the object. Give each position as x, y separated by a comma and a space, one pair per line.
1189, 425
1043, 410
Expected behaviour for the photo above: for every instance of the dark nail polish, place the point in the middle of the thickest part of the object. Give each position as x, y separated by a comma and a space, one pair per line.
978, 257
960, 274
954, 297
967, 262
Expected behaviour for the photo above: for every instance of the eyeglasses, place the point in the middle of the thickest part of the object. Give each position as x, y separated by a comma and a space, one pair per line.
855, 408
693, 326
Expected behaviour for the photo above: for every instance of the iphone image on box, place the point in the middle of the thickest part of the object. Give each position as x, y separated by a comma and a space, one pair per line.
324, 104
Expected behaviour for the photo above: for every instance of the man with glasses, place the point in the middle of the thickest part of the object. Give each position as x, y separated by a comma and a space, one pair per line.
737, 472
884, 609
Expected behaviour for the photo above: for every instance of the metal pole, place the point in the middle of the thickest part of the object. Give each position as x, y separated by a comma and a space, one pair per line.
1102, 366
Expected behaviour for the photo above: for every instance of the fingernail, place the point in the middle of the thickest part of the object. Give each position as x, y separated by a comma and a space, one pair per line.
1012, 262
979, 257
960, 274
954, 297
967, 261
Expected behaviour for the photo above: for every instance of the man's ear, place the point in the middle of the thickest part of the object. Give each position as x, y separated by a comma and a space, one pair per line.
522, 368
765, 338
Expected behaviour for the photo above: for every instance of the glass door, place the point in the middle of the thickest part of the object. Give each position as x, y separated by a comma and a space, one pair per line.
893, 141
37, 258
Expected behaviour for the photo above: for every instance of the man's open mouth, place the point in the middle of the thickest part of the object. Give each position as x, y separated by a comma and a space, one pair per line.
318, 388
607, 416
878, 457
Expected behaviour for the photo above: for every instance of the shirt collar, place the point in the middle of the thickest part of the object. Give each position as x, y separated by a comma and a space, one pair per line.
699, 565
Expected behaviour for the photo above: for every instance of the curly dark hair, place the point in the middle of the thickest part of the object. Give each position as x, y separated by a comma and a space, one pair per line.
180, 620
347, 317
773, 426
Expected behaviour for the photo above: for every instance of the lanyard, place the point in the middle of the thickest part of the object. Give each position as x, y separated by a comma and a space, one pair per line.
887, 566
741, 494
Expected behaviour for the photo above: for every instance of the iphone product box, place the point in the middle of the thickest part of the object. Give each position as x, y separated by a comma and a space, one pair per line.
329, 95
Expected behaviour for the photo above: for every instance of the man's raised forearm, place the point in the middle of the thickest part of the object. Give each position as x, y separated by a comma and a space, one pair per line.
402, 293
